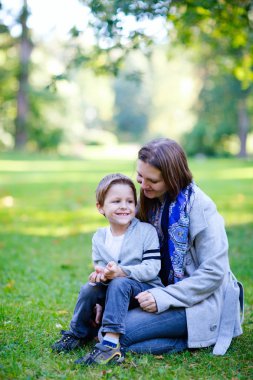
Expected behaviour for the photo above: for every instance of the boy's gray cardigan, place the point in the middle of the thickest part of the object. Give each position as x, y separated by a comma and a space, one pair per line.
210, 293
139, 256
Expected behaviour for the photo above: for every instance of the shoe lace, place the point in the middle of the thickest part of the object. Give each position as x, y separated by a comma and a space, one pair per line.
94, 352
66, 337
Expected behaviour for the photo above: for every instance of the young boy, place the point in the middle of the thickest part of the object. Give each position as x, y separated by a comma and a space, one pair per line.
126, 258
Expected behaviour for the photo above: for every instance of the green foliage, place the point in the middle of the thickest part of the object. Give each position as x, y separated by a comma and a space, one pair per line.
217, 116
222, 27
31, 120
8, 85
223, 32
48, 216
219, 32
131, 106
45, 139
109, 11
43, 133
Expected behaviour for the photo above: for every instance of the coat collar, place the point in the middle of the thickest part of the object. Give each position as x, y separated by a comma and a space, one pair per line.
198, 220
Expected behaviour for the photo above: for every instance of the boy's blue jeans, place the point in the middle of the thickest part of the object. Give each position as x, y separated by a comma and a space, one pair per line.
116, 296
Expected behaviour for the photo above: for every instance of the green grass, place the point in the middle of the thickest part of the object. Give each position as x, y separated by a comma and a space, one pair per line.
47, 218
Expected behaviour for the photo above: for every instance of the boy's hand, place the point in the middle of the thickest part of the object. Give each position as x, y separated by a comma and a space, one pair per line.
112, 270
97, 275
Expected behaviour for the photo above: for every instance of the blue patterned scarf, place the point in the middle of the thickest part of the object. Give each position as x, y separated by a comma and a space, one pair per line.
171, 220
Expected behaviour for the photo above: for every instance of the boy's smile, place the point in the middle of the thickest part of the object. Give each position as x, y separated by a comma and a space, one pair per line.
118, 207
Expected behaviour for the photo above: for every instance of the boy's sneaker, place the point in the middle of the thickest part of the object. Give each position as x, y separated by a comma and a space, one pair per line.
68, 342
102, 355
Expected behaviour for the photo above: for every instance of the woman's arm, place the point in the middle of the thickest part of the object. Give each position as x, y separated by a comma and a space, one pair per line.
210, 251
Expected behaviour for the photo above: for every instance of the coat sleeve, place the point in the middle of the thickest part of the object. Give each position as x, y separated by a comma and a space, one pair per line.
96, 255
209, 251
150, 266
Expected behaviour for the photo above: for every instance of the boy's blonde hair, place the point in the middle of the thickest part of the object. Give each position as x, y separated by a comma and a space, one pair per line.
108, 181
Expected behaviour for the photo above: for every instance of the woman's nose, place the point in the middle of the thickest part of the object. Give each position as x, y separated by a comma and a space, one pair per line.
144, 184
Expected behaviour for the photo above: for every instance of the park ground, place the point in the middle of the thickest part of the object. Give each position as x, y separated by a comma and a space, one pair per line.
47, 218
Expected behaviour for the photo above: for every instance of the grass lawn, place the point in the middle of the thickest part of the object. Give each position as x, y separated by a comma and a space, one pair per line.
47, 216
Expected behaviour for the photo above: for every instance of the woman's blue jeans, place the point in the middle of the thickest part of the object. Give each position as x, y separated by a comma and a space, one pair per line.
155, 333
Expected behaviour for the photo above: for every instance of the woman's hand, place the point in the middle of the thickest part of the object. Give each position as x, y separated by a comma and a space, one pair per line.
147, 302
112, 270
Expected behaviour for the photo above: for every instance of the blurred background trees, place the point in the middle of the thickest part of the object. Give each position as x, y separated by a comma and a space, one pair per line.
128, 72
24, 54
23, 122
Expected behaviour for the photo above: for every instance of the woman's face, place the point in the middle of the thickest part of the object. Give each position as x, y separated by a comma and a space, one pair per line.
151, 180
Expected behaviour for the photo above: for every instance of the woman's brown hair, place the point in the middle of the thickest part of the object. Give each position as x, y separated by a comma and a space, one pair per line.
169, 157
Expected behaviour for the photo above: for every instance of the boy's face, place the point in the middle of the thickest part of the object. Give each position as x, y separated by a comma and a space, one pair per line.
119, 205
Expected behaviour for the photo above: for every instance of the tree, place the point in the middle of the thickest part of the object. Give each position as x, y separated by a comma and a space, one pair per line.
8, 71
23, 107
132, 99
219, 30
25, 50
217, 116
17, 66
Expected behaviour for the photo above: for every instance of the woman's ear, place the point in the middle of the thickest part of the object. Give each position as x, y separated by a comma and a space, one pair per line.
100, 209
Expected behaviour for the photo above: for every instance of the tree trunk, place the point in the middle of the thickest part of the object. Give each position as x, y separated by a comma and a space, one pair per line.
23, 78
243, 126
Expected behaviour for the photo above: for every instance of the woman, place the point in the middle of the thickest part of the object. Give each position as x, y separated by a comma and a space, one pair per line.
200, 303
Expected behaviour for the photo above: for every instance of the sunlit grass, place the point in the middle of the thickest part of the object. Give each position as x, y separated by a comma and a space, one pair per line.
48, 216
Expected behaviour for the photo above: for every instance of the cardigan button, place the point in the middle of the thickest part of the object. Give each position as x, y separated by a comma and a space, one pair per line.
213, 327
119, 261
188, 261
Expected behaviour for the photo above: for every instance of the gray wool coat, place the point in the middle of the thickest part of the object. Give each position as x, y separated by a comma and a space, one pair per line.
210, 293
